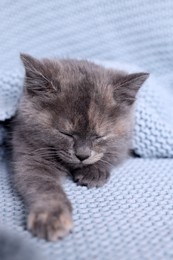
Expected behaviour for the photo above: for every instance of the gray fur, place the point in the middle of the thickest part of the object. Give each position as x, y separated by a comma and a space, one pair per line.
75, 118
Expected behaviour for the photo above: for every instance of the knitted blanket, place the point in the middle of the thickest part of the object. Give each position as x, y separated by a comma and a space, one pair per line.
131, 217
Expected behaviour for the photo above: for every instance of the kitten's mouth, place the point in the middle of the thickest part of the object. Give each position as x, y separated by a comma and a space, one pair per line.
95, 157
92, 159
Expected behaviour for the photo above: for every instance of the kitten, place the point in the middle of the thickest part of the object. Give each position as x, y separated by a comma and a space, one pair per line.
74, 118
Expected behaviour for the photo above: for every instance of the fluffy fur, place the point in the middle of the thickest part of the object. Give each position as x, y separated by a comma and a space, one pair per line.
75, 118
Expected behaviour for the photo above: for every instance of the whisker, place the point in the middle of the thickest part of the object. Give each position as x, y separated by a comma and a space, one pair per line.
44, 148
105, 162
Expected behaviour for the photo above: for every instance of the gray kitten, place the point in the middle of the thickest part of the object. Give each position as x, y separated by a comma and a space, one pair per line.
75, 118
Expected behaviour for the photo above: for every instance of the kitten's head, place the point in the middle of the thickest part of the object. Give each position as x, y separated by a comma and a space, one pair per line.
81, 110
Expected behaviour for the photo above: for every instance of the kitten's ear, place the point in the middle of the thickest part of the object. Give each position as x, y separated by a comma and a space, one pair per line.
32, 65
128, 86
36, 76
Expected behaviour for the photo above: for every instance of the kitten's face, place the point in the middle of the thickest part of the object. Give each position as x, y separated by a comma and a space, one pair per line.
85, 110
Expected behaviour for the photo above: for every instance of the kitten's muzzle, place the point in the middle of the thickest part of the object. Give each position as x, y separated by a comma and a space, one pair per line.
83, 153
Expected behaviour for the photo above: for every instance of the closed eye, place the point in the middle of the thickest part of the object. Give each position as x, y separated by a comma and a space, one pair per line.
97, 137
67, 134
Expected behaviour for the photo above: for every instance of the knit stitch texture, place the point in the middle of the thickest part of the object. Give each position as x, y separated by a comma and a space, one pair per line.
131, 217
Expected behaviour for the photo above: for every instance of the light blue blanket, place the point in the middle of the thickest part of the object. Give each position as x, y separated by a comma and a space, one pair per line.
131, 218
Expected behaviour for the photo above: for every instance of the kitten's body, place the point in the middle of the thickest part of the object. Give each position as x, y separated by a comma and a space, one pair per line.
75, 118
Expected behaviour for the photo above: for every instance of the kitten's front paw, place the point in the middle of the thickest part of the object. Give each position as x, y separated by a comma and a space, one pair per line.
50, 224
91, 176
